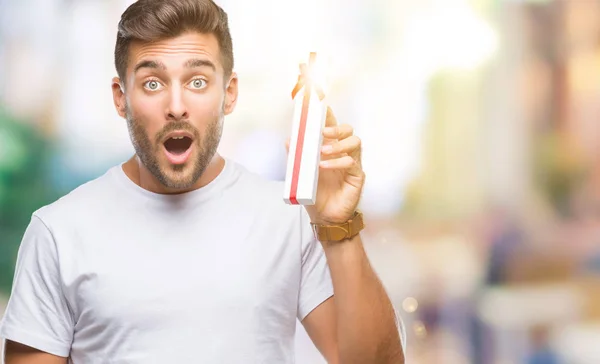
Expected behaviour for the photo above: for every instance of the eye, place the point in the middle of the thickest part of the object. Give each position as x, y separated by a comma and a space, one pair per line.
198, 83
152, 85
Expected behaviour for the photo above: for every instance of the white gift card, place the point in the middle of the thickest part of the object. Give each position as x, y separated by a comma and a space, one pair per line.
310, 111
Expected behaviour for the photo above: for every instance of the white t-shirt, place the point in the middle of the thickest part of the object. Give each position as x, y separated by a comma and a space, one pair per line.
113, 273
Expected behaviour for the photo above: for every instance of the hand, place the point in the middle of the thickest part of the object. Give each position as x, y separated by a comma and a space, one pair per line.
341, 177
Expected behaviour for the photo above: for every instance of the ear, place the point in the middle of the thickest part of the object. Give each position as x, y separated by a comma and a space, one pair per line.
231, 94
119, 97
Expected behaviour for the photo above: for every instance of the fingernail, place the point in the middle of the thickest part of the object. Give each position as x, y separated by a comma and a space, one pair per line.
327, 149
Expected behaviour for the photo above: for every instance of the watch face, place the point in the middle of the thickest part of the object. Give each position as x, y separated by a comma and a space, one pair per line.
338, 233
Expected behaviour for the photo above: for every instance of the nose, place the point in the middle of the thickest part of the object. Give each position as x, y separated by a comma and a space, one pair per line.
176, 109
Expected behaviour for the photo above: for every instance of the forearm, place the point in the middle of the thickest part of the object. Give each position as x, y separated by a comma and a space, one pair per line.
366, 323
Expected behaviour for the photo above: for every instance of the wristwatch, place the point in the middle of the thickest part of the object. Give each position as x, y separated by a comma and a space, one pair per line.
339, 232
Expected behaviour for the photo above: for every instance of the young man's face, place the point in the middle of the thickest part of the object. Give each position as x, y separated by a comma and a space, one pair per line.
174, 100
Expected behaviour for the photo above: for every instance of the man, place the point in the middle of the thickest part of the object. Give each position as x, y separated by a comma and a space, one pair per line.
181, 256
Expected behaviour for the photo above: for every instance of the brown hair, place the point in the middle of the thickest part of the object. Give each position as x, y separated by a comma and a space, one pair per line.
155, 20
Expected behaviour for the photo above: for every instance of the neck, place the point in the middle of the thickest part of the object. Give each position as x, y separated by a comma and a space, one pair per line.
140, 175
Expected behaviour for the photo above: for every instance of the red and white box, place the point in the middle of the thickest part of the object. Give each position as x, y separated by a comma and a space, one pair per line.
310, 111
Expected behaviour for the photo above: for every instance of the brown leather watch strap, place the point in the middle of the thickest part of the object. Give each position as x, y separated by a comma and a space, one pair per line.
340, 232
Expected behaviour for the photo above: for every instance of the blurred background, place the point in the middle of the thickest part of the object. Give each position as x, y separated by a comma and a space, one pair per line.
480, 137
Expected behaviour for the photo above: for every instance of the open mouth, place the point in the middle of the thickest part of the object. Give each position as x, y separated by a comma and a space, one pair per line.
178, 145
178, 148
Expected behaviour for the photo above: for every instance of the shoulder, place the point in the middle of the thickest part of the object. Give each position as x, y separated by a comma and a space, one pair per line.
264, 195
83, 199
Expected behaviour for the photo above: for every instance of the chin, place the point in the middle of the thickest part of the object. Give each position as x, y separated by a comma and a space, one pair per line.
179, 180
178, 184
177, 177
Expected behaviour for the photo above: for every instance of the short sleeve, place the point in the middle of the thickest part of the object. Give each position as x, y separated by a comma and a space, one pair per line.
401, 330
315, 285
37, 314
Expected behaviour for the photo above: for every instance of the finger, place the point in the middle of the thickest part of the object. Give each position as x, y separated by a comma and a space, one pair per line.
339, 132
330, 119
349, 146
345, 162
351, 166
325, 157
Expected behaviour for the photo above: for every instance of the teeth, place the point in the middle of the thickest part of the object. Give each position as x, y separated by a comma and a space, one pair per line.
177, 137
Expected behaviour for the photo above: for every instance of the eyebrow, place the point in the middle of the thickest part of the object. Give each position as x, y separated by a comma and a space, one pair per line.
149, 64
195, 62
192, 63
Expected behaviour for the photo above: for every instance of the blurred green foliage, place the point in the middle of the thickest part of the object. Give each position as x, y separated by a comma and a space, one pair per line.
24, 187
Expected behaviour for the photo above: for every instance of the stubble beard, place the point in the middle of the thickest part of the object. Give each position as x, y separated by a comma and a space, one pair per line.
181, 176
